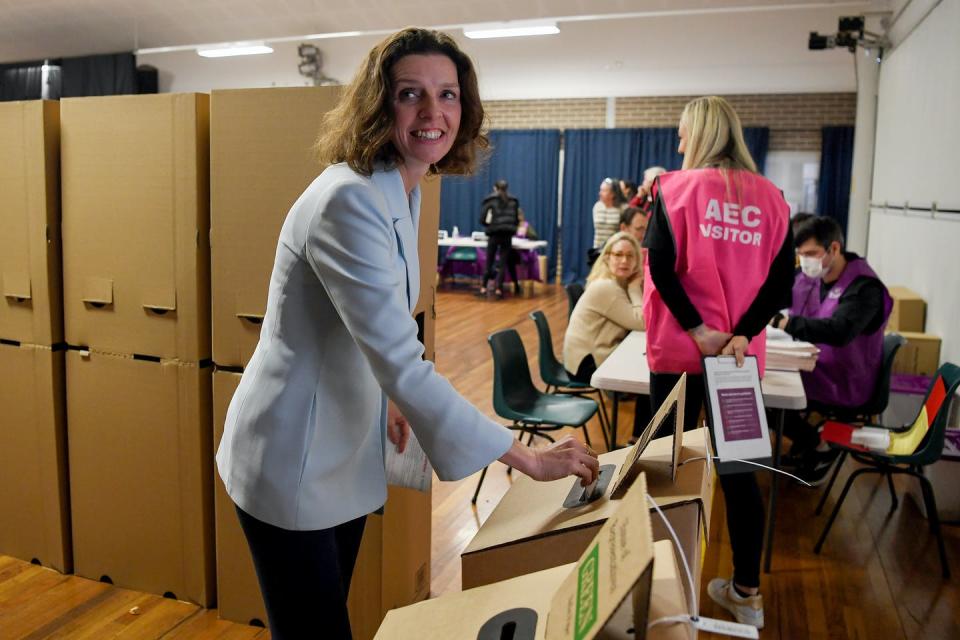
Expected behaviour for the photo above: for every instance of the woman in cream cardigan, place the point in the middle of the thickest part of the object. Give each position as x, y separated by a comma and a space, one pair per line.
611, 306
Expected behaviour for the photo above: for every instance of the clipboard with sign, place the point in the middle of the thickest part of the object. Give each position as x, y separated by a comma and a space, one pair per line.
736, 415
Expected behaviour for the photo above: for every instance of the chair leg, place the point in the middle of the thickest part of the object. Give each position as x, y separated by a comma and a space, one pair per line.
931, 504
476, 493
893, 494
586, 433
833, 479
836, 508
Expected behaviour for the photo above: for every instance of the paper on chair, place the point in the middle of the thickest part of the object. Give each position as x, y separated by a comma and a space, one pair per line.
410, 469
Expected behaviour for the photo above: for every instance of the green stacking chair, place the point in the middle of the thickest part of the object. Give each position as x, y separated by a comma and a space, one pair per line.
937, 406
574, 291
555, 375
516, 399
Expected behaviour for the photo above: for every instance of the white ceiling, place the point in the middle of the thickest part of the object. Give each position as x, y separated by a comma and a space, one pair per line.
636, 47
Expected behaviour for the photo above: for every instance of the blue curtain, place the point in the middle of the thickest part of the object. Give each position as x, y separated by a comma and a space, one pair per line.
758, 141
836, 164
529, 160
590, 155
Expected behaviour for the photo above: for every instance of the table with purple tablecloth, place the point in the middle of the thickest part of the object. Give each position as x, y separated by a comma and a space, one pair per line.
468, 257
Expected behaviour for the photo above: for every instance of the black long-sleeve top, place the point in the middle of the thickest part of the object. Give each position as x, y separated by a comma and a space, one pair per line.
773, 295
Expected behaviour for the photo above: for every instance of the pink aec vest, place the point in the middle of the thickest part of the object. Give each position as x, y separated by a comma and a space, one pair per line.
727, 228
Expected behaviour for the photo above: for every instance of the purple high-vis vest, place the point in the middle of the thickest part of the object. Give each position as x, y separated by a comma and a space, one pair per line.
844, 376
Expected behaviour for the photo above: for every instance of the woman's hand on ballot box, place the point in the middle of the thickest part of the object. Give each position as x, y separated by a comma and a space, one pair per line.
565, 457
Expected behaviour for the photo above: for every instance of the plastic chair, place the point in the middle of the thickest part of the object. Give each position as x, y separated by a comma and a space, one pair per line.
574, 291
555, 375
935, 408
880, 397
516, 399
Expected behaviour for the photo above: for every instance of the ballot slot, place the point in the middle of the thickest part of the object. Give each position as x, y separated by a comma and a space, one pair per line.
513, 624
580, 495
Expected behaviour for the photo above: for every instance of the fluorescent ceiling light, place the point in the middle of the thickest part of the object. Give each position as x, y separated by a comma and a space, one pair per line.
241, 49
510, 29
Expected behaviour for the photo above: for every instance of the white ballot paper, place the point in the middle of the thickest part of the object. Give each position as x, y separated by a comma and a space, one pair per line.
738, 421
410, 469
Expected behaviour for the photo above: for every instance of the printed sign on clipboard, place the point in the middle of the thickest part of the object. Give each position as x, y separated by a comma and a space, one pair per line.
738, 420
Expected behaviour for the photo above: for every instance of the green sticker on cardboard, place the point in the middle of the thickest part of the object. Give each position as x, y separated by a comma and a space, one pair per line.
586, 615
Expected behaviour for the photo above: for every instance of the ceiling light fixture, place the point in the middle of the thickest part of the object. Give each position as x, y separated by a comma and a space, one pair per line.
238, 49
510, 29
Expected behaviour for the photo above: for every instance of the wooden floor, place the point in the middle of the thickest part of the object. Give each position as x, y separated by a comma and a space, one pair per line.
878, 576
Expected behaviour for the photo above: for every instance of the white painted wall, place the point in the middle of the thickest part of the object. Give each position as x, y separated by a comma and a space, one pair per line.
751, 52
918, 133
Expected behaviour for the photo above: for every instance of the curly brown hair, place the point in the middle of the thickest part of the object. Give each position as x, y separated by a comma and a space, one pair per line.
358, 130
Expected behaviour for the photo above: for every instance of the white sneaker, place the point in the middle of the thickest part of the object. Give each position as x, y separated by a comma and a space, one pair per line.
747, 610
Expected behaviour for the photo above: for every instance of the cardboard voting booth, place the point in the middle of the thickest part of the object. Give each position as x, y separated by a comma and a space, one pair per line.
608, 593
531, 529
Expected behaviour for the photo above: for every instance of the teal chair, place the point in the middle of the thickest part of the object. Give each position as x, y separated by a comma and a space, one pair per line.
937, 406
555, 375
529, 410
574, 291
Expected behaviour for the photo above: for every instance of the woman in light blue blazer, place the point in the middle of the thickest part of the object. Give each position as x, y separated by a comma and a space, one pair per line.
338, 370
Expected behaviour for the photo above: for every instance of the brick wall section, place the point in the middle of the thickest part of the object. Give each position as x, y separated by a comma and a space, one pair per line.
795, 119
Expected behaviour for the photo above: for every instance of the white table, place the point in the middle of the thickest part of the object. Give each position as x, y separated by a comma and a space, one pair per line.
626, 371
466, 241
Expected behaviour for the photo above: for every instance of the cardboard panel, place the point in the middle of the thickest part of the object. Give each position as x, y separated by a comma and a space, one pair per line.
136, 216
262, 158
919, 356
530, 530
238, 593
31, 307
33, 458
141, 473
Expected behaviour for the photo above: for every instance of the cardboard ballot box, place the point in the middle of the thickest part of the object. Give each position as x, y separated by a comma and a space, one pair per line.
530, 530
611, 579
919, 356
31, 308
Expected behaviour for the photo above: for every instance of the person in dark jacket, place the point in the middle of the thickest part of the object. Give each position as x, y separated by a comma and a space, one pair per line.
500, 219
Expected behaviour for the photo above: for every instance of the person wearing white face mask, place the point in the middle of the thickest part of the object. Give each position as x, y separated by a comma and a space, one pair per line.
840, 305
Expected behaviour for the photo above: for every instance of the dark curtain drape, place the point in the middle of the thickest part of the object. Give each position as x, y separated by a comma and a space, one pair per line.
103, 75
528, 160
758, 141
590, 155
21, 82
836, 164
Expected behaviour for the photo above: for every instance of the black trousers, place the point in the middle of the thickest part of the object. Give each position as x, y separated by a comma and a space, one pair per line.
745, 516
304, 576
501, 246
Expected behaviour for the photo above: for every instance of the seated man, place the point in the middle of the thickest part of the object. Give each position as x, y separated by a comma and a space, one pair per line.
840, 305
634, 222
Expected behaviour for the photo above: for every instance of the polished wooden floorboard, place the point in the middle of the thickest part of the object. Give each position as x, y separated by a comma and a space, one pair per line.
878, 575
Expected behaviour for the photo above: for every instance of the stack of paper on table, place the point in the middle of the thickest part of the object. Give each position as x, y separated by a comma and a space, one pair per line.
786, 354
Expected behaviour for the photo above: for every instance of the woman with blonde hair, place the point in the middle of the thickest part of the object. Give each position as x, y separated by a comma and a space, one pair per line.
719, 265
338, 370
611, 306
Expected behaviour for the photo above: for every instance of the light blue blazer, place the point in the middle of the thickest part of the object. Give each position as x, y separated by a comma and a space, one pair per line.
303, 444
